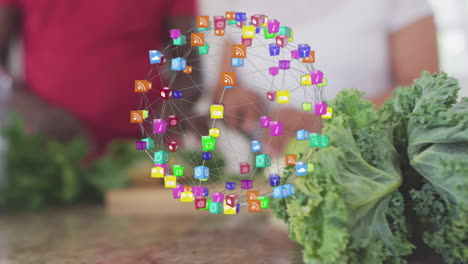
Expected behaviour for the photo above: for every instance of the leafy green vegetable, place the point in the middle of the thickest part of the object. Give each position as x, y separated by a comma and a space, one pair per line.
42, 173
386, 175
437, 148
349, 209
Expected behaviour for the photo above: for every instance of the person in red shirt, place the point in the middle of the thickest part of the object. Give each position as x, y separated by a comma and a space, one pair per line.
81, 59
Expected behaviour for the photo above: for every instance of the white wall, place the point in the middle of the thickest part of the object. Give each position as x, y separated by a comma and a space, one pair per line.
452, 25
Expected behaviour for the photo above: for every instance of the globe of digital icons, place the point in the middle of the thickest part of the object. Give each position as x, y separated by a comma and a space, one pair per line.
261, 49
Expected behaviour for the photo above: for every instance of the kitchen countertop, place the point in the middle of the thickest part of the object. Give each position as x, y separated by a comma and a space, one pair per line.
90, 235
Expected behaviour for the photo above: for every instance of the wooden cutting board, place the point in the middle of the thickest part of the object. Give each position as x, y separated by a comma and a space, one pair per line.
145, 201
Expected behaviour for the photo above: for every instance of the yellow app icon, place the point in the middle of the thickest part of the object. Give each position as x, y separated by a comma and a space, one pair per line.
170, 182
187, 197
228, 210
306, 80
329, 113
217, 111
282, 97
214, 132
157, 172
248, 31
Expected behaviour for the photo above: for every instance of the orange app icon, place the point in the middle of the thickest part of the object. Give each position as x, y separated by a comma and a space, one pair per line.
255, 206
203, 21
239, 51
142, 86
136, 117
219, 32
228, 79
230, 15
310, 59
252, 195
188, 69
291, 159
197, 39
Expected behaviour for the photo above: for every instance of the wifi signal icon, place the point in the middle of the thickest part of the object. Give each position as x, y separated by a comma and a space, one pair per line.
255, 206
197, 39
202, 21
136, 117
252, 195
228, 79
291, 159
142, 86
239, 51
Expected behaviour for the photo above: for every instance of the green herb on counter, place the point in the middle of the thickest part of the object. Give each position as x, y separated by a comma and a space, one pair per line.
42, 173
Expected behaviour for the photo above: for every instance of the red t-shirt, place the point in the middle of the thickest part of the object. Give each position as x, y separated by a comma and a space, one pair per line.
84, 55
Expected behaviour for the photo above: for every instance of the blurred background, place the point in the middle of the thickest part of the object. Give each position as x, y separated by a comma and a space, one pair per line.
451, 17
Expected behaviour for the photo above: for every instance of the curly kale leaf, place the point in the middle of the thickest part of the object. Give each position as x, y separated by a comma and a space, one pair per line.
450, 223
348, 210
438, 150
430, 129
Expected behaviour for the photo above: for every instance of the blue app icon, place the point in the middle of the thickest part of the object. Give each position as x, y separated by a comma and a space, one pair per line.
178, 64
274, 180
301, 168
155, 56
274, 49
256, 146
290, 189
177, 94
302, 134
279, 192
237, 62
230, 185
202, 173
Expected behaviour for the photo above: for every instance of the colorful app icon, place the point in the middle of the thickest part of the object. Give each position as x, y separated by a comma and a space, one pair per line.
255, 206
291, 159
310, 58
137, 117
252, 195
197, 39
239, 51
228, 79
217, 111
155, 56
142, 86
203, 22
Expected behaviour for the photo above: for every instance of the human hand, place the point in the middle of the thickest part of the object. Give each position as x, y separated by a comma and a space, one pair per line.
292, 120
50, 121
242, 108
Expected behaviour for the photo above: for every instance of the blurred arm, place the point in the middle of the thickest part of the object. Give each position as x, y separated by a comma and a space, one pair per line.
186, 24
52, 122
8, 26
225, 66
243, 105
413, 49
